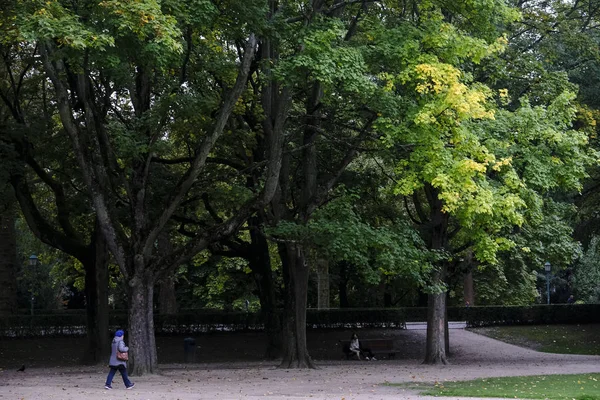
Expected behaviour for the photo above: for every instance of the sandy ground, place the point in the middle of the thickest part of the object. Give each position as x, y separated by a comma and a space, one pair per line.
473, 356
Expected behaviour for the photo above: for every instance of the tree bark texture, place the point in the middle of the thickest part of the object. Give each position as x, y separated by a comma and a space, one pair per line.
96, 296
8, 263
295, 270
142, 345
435, 352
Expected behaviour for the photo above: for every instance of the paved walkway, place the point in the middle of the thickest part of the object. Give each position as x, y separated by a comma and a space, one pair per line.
473, 356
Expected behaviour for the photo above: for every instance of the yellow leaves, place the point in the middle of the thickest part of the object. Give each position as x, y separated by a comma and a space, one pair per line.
502, 40
505, 161
446, 96
435, 78
424, 118
472, 105
469, 165
503, 96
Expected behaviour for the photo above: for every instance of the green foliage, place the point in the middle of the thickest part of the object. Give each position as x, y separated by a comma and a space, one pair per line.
546, 236
510, 283
586, 276
338, 233
435, 96
51, 20
327, 59
491, 174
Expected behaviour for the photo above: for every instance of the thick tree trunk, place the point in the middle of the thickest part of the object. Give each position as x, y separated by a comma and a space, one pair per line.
295, 270
435, 352
323, 283
142, 343
8, 263
96, 295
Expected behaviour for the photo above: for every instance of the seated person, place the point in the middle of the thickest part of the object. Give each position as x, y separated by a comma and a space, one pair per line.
355, 348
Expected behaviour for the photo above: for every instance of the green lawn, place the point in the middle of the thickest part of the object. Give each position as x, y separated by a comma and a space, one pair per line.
578, 387
564, 339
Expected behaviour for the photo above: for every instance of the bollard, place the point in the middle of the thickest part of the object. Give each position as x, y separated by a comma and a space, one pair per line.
189, 350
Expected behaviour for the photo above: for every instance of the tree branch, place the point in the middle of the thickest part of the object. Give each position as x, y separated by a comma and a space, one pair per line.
40, 226
112, 233
207, 145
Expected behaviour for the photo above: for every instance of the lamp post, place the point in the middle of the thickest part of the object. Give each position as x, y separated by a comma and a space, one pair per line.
33, 260
547, 267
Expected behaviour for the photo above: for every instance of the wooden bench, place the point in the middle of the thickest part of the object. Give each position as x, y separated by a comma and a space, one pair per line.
377, 346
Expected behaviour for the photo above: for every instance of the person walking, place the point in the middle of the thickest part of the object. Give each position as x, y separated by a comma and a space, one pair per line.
118, 363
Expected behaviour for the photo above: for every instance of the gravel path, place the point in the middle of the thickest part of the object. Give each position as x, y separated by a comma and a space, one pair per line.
473, 356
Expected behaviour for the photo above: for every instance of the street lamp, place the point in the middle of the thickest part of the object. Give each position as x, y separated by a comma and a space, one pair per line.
547, 267
33, 260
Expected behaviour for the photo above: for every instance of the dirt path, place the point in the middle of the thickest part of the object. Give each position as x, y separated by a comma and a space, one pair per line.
473, 356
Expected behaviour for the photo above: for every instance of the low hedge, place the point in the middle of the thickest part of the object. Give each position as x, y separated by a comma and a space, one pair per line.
531, 315
197, 321
200, 321
43, 325
356, 318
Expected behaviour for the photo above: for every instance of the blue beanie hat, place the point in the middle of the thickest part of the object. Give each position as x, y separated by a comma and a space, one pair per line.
119, 333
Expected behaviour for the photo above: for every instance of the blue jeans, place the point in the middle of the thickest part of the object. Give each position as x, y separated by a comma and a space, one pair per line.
113, 370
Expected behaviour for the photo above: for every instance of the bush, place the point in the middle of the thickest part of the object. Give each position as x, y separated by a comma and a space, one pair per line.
356, 318
43, 325
197, 321
531, 315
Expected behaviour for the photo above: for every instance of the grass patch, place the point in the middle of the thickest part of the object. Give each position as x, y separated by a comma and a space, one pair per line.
562, 339
551, 387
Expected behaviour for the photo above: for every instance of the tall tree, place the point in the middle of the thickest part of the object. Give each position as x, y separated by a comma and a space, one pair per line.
125, 77
470, 170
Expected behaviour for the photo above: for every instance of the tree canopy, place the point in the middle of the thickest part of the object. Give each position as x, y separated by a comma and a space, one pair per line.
239, 142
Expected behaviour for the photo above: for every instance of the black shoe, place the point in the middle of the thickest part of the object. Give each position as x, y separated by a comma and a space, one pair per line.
131, 386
